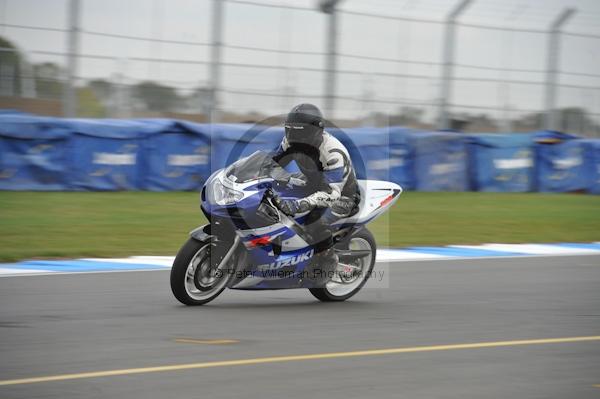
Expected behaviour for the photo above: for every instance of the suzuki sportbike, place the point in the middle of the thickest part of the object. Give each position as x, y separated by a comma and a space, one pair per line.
250, 244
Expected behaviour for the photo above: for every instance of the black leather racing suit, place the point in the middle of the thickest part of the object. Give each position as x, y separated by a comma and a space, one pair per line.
331, 179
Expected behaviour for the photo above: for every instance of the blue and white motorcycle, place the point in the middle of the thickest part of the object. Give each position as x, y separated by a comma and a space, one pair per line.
250, 244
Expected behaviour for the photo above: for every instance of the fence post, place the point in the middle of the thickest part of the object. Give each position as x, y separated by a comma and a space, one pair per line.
215, 59
448, 62
69, 91
27, 79
329, 8
507, 43
551, 116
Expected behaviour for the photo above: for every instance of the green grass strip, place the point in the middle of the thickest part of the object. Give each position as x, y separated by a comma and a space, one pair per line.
68, 225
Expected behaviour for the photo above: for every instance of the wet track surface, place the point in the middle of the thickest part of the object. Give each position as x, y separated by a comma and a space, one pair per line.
70, 324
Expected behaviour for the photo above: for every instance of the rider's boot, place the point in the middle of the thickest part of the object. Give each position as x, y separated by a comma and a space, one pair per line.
324, 265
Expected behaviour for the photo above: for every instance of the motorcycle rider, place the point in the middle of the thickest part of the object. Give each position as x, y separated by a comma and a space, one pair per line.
326, 172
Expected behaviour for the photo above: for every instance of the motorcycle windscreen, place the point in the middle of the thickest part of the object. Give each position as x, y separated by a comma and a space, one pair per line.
259, 165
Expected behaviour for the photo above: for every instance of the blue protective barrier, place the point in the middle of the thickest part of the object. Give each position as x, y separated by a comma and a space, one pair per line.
178, 158
592, 164
40, 153
561, 167
107, 155
402, 157
439, 161
501, 162
551, 136
369, 150
231, 142
33, 153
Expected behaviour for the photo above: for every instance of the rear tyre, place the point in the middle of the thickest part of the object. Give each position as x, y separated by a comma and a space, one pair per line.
194, 280
347, 284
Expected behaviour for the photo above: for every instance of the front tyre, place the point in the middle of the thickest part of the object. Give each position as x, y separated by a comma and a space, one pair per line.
194, 279
350, 278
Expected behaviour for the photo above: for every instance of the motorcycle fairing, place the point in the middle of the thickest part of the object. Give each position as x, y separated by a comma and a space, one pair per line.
280, 244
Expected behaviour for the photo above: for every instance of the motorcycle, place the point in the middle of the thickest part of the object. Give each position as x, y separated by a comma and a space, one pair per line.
250, 244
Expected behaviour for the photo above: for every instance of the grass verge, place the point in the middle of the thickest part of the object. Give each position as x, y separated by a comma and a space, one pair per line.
67, 225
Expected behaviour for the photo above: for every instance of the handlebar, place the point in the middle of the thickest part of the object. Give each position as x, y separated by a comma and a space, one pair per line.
272, 195
270, 206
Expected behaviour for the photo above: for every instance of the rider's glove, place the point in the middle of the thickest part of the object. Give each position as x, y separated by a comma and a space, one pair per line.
297, 179
292, 207
343, 206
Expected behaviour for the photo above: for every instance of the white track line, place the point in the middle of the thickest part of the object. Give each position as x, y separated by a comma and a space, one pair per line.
135, 260
7, 271
531, 249
384, 254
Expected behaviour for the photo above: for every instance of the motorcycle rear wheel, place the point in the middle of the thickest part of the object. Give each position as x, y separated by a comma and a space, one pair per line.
193, 281
342, 289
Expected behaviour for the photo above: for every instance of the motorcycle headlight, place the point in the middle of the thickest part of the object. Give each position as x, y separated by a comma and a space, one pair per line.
222, 195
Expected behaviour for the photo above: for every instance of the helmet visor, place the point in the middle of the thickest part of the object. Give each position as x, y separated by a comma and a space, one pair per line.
301, 133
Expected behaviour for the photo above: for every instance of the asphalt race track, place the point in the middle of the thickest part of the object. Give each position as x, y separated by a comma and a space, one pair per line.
428, 328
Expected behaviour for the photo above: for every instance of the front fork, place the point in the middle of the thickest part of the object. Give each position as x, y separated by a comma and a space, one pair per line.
223, 250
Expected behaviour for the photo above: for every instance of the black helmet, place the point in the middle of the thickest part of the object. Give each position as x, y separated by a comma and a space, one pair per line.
304, 125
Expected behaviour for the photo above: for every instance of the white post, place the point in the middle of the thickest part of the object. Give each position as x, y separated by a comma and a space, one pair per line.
27, 79
507, 43
215, 59
329, 8
69, 91
551, 117
448, 62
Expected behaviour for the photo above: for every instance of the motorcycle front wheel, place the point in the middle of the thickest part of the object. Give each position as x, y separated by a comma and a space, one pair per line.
194, 279
350, 277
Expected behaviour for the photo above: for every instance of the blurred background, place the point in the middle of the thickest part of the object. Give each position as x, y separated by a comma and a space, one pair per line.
113, 114
479, 65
